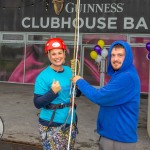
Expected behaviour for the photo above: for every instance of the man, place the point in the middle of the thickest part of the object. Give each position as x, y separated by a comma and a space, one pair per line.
119, 100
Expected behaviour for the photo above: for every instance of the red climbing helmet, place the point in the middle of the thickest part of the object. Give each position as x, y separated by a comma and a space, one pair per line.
54, 43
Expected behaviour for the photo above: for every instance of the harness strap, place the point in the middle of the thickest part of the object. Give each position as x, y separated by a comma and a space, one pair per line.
55, 107
50, 134
52, 118
58, 106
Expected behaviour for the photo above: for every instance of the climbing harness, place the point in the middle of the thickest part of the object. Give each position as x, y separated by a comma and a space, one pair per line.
48, 134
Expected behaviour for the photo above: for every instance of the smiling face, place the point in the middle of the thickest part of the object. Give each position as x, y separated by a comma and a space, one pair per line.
56, 57
117, 57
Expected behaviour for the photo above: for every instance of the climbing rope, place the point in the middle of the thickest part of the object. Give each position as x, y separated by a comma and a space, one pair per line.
75, 65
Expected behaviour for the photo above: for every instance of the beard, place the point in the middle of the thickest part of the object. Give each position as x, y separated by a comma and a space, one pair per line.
116, 62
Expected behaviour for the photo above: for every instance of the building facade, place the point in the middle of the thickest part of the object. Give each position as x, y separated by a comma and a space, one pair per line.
25, 26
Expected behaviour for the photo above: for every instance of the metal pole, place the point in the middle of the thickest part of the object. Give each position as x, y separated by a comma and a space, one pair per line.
102, 72
148, 116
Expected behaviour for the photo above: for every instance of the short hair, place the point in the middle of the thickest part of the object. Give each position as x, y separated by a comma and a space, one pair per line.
118, 46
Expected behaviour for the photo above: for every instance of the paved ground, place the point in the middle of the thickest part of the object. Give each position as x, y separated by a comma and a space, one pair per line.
21, 121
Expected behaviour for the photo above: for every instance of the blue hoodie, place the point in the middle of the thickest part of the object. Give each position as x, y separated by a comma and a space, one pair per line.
119, 99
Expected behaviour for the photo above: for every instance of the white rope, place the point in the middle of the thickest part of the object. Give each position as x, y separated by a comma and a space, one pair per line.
74, 86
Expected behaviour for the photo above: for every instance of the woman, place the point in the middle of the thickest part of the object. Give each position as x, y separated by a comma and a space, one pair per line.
52, 96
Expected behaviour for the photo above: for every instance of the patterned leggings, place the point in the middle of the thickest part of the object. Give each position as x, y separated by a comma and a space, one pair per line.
60, 140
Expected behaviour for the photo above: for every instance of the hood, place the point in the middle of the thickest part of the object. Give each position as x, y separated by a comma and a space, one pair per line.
128, 61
